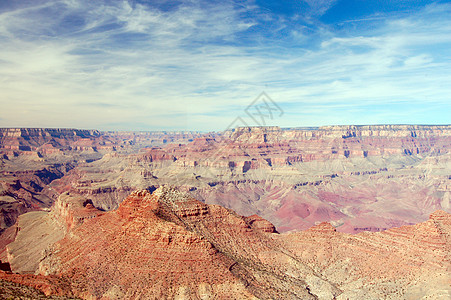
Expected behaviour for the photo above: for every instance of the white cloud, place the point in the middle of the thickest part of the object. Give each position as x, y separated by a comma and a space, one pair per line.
319, 7
422, 60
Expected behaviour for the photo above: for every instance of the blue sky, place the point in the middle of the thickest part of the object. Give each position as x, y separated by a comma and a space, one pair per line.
197, 65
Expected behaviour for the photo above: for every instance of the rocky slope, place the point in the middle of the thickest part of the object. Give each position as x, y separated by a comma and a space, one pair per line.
31, 287
177, 247
409, 262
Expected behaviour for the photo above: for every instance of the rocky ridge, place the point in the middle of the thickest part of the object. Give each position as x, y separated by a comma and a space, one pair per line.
177, 246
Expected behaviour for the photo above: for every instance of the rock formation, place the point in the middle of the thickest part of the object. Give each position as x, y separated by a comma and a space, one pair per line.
31, 158
174, 245
170, 245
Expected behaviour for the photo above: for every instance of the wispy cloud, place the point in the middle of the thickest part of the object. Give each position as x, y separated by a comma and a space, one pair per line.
319, 7
196, 65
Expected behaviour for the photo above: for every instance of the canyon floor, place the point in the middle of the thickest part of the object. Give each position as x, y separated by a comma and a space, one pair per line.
339, 212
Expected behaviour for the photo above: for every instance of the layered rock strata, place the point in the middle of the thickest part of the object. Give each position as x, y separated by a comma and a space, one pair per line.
360, 178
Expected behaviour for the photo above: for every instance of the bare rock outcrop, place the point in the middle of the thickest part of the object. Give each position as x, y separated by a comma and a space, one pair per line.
39, 230
176, 246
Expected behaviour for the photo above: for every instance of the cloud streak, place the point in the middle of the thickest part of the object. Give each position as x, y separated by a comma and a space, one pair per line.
197, 65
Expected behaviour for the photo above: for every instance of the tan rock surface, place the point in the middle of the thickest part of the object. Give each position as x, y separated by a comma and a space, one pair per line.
36, 232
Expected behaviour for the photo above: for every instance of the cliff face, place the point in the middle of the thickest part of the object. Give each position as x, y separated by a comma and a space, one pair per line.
168, 245
51, 140
325, 143
30, 139
38, 230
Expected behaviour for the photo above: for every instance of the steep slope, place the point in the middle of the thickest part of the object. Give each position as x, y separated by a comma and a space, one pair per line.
176, 247
17, 286
409, 262
169, 245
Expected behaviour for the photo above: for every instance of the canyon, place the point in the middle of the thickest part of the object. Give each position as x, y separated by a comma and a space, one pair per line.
248, 213
32, 158
358, 178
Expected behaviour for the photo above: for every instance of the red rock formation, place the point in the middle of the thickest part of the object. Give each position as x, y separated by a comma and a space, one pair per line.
32, 158
49, 285
167, 244
170, 243
260, 224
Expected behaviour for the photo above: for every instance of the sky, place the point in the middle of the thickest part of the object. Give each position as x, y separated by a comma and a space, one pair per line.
203, 65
